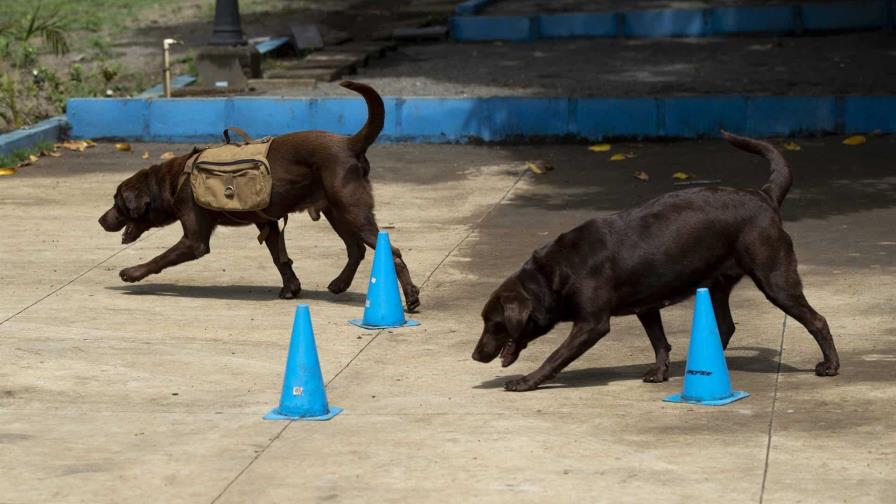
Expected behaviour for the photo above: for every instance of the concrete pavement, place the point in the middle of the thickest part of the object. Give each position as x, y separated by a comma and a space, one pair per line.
154, 392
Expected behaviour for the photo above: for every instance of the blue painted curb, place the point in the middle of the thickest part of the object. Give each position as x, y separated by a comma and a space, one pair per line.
496, 119
717, 21
50, 130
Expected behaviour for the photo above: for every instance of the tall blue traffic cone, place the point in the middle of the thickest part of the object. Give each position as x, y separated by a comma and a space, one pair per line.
706, 378
303, 396
383, 309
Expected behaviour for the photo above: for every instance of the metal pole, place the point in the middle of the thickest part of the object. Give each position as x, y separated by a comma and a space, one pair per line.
228, 28
166, 64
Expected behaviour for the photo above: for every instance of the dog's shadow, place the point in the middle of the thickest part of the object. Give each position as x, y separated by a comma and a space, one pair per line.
235, 293
763, 360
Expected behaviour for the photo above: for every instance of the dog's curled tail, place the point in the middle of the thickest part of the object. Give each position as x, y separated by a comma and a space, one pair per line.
780, 180
376, 114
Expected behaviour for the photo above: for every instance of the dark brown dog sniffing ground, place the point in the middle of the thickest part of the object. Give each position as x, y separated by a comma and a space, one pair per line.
312, 171
639, 261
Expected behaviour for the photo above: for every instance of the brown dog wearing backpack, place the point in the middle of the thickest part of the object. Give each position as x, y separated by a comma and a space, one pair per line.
259, 183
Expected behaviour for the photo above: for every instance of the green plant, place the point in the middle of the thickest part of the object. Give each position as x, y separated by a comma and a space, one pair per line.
51, 28
19, 155
9, 98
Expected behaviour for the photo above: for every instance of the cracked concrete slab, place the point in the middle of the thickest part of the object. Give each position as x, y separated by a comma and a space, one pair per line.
155, 391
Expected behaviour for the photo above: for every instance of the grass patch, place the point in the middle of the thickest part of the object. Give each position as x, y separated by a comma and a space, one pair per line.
13, 159
88, 15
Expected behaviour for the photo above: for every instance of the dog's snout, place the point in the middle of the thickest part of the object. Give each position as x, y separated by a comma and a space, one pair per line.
111, 221
485, 351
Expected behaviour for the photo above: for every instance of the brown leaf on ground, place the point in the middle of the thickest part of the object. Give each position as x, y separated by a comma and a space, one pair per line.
682, 175
167, 155
7, 171
855, 140
145, 155
622, 156
123, 147
539, 167
51, 153
643, 176
600, 147
792, 146
73, 145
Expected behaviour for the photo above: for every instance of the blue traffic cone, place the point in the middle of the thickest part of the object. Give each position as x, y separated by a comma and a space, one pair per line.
383, 309
303, 396
706, 374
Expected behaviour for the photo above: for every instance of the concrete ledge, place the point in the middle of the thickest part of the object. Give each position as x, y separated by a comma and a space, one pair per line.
176, 83
472, 7
50, 130
454, 120
848, 15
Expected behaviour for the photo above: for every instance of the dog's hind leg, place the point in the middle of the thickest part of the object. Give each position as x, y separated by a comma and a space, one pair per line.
653, 324
354, 248
292, 287
720, 292
362, 220
774, 270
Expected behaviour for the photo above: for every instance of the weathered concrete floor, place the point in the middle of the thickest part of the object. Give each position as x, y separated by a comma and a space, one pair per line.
154, 392
859, 63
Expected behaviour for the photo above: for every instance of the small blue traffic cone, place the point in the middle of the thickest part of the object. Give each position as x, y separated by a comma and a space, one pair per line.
303, 396
383, 309
706, 374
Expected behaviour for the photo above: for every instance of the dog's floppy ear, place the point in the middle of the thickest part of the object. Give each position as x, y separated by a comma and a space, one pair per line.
517, 308
136, 201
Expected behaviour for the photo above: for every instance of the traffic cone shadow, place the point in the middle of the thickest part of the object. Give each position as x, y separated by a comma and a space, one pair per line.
303, 396
383, 309
706, 379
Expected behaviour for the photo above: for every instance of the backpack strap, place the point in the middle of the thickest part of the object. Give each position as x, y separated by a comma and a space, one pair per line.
238, 131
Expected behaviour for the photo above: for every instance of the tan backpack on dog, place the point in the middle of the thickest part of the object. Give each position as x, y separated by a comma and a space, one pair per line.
232, 177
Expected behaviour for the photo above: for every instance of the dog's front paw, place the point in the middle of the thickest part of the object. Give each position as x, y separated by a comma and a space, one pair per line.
412, 298
656, 374
826, 368
523, 384
133, 274
291, 289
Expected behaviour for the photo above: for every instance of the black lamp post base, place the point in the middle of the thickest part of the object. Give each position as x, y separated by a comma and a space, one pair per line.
228, 66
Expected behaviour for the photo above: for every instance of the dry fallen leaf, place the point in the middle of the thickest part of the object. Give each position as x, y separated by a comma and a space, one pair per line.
145, 155
792, 146
855, 140
622, 156
7, 171
73, 145
123, 147
33, 158
641, 176
51, 153
600, 147
167, 155
682, 175
90, 143
539, 167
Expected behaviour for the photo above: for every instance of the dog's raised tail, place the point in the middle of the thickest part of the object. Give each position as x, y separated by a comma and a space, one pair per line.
780, 180
376, 114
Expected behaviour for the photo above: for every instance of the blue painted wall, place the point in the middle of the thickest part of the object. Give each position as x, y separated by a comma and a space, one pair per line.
449, 120
847, 15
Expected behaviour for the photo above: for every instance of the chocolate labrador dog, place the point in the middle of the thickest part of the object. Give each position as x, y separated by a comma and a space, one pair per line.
312, 170
644, 259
